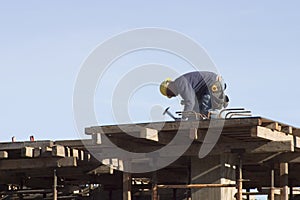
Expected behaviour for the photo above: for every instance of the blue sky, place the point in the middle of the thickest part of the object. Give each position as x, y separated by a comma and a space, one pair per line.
255, 45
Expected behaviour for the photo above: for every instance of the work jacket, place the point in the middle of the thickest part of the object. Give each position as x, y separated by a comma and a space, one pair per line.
192, 87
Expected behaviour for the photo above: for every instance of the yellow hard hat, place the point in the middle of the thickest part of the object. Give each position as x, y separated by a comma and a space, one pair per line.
164, 86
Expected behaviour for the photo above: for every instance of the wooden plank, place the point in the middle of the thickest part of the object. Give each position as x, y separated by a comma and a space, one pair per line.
126, 186
58, 151
227, 147
80, 154
68, 151
259, 147
75, 153
67, 162
268, 134
216, 185
3, 154
97, 138
296, 132
87, 156
103, 169
27, 152
287, 129
78, 144
36, 163
174, 126
54, 185
149, 134
284, 181
20, 145
37, 152
274, 126
46, 151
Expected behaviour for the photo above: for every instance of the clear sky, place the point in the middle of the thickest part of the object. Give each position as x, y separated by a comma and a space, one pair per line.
255, 45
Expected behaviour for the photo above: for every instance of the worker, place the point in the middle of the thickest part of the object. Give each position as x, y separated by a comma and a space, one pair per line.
202, 91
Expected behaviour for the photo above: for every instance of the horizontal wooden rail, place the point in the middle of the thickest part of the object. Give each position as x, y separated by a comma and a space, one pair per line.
255, 193
195, 186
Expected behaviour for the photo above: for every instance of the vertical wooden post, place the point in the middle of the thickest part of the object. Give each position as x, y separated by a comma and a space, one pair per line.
154, 192
54, 185
154, 187
240, 179
126, 186
284, 179
189, 181
272, 194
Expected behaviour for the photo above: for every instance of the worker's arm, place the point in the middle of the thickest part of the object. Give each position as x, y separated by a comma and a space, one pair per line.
186, 91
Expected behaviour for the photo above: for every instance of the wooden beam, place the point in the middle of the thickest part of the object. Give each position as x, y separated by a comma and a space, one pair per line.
54, 185
274, 126
78, 144
58, 151
221, 147
287, 129
149, 134
216, 185
27, 152
97, 138
272, 183
37, 163
126, 186
81, 155
20, 145
258, 147
296, 132
268, 134
75, 153
173, 126
103, 169
284, 191
239, 180
46, 151
3, 154
37, 152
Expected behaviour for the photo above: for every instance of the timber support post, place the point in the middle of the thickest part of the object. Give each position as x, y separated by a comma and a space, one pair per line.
284, 179
240, 178
154, 187
54, 185
272, 188
126, 186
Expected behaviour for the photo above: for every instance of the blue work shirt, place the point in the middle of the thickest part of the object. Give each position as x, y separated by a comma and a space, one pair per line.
192, 87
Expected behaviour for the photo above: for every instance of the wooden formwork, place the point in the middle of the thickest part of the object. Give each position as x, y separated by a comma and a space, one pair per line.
266, 155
